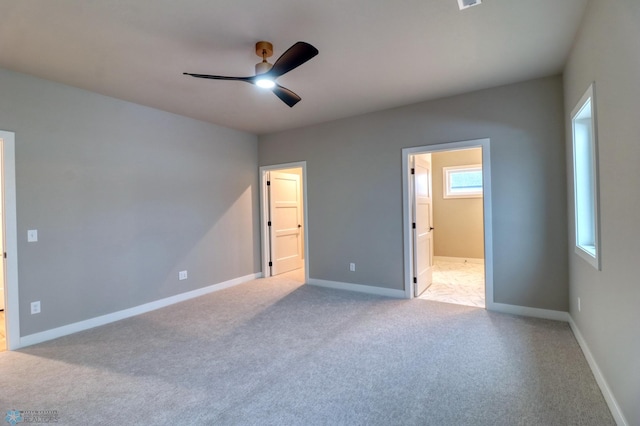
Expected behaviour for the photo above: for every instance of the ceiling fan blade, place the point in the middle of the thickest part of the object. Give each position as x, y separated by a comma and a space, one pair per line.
286, 95
221, 77
295, 56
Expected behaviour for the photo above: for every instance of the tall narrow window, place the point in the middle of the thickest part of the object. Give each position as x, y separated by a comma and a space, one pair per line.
585, 179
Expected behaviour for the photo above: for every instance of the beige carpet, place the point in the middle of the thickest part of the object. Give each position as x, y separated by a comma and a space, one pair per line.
272, 352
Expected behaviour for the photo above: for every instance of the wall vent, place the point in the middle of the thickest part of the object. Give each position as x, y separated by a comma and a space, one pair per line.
465, 4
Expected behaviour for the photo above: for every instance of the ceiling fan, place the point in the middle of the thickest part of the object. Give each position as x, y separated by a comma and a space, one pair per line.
266, 73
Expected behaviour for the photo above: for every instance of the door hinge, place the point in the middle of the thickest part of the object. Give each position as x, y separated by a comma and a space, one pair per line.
268, 183
415, 280
413, 171
270, 263
413, 225
269, 223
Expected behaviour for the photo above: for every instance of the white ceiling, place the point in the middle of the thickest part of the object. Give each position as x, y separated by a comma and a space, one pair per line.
374, 54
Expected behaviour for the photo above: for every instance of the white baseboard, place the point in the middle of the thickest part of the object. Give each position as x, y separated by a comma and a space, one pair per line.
602, 383
458, 259
526, 311
379, 291
54, 333
566, 317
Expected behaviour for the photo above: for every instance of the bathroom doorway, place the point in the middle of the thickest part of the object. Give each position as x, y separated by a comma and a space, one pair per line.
458, 188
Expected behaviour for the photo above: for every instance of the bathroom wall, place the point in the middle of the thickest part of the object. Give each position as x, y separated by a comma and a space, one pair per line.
458, 222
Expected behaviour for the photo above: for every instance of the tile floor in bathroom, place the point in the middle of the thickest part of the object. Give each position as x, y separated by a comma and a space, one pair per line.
457, 282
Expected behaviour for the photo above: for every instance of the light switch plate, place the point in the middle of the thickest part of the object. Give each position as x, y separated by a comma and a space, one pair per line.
32, 235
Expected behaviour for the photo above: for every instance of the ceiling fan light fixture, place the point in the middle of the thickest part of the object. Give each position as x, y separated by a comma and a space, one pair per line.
265, 83
262, 78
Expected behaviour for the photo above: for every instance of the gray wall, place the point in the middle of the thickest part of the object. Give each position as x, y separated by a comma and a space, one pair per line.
458, 222
355, 187
123, 197
607, 51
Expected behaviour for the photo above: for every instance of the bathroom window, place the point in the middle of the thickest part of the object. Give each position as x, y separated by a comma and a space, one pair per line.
585, 178
462, 181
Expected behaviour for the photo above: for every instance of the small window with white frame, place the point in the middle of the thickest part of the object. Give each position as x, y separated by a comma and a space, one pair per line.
585, 178
462, 181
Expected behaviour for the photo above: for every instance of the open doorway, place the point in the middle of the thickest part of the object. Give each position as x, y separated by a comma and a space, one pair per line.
458, 237
9, 316
283, 221
3, 328
447, 200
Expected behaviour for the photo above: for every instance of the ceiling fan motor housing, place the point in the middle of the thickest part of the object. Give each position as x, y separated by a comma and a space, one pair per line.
263, 67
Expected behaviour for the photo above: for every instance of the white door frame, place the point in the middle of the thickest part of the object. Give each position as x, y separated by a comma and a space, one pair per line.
407, 209
264, 214
12, 313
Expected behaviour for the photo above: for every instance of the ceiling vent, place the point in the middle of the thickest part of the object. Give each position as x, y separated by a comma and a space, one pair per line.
465, 4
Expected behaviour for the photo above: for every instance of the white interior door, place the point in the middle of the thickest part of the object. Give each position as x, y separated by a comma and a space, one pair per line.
422, 223
285, 208
2, 260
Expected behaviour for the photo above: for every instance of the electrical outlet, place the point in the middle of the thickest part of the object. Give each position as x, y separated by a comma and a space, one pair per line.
35, 307
352, 267
32, 235
579, 305
182, 275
